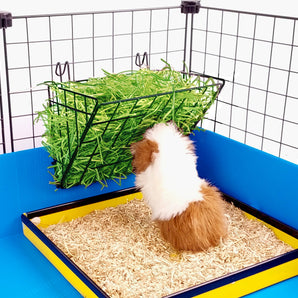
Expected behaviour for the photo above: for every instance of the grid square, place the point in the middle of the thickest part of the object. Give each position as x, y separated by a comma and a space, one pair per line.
141, 21
272, 128
40, 53
122, 23
238, 118
257, 100
226, 69
278, 81
228, 46
61, 27
244, 49
199, 41
141, 43
262, 53
247, 25
18, 32
38, 29
159, 20
176, 19
271, 147
240, 96
264, 28
175, 40
230, 23
83, 71
259, 77
211, 67
40, 75
103, 24
226, 93
283, 31
85, 30
158, 42
275, 105
198, 62
39, 98
17, 56
255, 123
200, 20
281, 55
213, 43
222, 129
19, 80
83, 50
242, 73
253, 140
22, 127
62, 51
20, 104
237, 135
122, 46
223, 113
214, 21
103, 48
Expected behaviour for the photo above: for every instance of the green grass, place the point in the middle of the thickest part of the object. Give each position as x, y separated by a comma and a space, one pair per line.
90, 125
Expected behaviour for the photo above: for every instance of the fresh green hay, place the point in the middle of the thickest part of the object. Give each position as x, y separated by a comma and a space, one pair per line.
91, 124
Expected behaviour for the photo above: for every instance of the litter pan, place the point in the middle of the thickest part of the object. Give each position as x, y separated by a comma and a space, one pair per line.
235, 284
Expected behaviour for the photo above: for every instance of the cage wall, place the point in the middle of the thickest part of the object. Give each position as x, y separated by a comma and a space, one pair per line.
255, 54
90, 42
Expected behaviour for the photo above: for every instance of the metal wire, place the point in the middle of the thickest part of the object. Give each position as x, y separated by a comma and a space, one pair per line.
255, 53
259, 68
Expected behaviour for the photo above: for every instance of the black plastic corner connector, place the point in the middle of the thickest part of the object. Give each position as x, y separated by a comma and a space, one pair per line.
190, 6
5, 19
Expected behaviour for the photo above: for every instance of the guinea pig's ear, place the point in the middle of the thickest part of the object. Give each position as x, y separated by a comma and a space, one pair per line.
143, 156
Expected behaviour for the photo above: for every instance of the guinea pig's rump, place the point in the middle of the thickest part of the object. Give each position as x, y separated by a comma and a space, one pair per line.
200, 226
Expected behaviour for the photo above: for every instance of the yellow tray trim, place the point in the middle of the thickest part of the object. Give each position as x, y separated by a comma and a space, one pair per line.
279, 234
77, 283
70, 214
255, 282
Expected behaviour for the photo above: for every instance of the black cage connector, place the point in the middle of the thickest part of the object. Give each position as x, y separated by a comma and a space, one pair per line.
5, 19
190, 6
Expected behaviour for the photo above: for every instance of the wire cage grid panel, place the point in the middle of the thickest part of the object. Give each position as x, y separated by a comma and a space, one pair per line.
90, 42
256, 54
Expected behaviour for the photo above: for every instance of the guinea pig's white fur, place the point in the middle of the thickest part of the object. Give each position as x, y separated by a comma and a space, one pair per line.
189, 212
171, 182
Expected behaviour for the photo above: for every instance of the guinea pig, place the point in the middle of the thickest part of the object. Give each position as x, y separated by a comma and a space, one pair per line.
189, 212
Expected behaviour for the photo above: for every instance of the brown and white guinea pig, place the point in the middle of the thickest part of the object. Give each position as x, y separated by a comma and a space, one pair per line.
189, 211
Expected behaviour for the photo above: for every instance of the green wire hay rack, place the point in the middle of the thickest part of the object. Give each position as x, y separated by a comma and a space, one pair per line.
89, 134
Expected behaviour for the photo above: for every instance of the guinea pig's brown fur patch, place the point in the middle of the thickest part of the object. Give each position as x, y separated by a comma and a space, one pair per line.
200, 226
142, 152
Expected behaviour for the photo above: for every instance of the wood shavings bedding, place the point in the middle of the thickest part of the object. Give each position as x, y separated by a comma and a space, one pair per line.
121, 250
